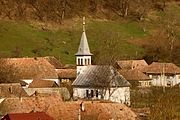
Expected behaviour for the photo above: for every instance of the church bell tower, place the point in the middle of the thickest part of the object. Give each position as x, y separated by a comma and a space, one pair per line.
83, 56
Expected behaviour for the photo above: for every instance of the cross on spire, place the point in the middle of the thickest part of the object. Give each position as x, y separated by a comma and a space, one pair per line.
84, 24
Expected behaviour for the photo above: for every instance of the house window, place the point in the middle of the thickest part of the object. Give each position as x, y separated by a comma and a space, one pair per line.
150, 83
97, 93
92, 93
154, 77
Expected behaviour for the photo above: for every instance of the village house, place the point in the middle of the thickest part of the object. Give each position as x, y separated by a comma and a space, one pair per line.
136, 78
97, 81
131, 64
163, 74
11, 90
47, 87
53, 106
66, 75
43, 84
131, 71
29, 69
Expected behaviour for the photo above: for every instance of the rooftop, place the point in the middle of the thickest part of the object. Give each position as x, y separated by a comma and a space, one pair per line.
159, 68
100, 76
42, 84
131, 64
11, 90
133, 75
27, 116
66, 73
32, 68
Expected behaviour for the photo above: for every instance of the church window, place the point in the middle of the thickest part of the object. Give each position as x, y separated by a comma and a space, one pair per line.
81, 61
85, 61
97, 93
88, 61
78, 61
87, 93
92, 93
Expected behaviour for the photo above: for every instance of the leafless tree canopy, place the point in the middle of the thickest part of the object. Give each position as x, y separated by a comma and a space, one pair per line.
7, 74
58, 10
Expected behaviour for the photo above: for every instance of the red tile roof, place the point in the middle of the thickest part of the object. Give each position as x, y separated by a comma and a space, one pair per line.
11, 90
42, 84
27, 116
37, 102
55, 62
159, 68
69, 110
131, 64
32, 68
134, 75
66, 73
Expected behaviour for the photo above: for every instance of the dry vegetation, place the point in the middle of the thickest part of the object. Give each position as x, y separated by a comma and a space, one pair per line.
163, 105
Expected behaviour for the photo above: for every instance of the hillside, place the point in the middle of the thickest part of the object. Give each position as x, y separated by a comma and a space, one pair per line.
125, 38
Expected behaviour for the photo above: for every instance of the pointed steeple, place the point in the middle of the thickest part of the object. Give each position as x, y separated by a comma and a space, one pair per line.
83, 47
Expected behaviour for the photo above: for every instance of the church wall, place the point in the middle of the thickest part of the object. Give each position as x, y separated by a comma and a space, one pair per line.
120, 94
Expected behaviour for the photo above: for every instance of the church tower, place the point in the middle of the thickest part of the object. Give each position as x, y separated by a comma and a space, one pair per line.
83, 56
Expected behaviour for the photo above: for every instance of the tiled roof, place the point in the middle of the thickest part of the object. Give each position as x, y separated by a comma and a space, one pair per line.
69, 110
66, 73
131, 64
42, 84
159, 68
100, 76
11, 90
37, 102
133, 74
53, 61
32, 68
27, 116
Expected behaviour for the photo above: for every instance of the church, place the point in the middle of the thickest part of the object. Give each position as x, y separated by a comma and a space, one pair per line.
97, 82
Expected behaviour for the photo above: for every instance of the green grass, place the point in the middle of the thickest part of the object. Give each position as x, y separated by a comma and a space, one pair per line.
64, 42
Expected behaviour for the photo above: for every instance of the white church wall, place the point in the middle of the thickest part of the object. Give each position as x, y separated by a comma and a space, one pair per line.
120, 94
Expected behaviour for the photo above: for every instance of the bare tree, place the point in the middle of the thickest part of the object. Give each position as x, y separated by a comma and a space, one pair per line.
7, 72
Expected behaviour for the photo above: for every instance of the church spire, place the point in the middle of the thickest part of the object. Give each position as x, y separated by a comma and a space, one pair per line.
83, 47
83, 56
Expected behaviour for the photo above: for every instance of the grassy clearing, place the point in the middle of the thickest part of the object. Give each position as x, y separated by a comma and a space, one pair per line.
63, 43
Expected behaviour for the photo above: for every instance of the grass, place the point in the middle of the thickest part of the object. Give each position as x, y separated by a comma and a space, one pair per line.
63, 43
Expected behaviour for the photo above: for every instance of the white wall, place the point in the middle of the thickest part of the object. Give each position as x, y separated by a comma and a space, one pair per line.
164, 80
82, 59
120, 94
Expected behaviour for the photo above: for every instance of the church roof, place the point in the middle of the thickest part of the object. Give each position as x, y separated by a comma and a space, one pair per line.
100, 76
83, 47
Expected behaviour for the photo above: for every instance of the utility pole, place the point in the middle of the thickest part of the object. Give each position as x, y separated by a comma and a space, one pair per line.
79, 114
163, 75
